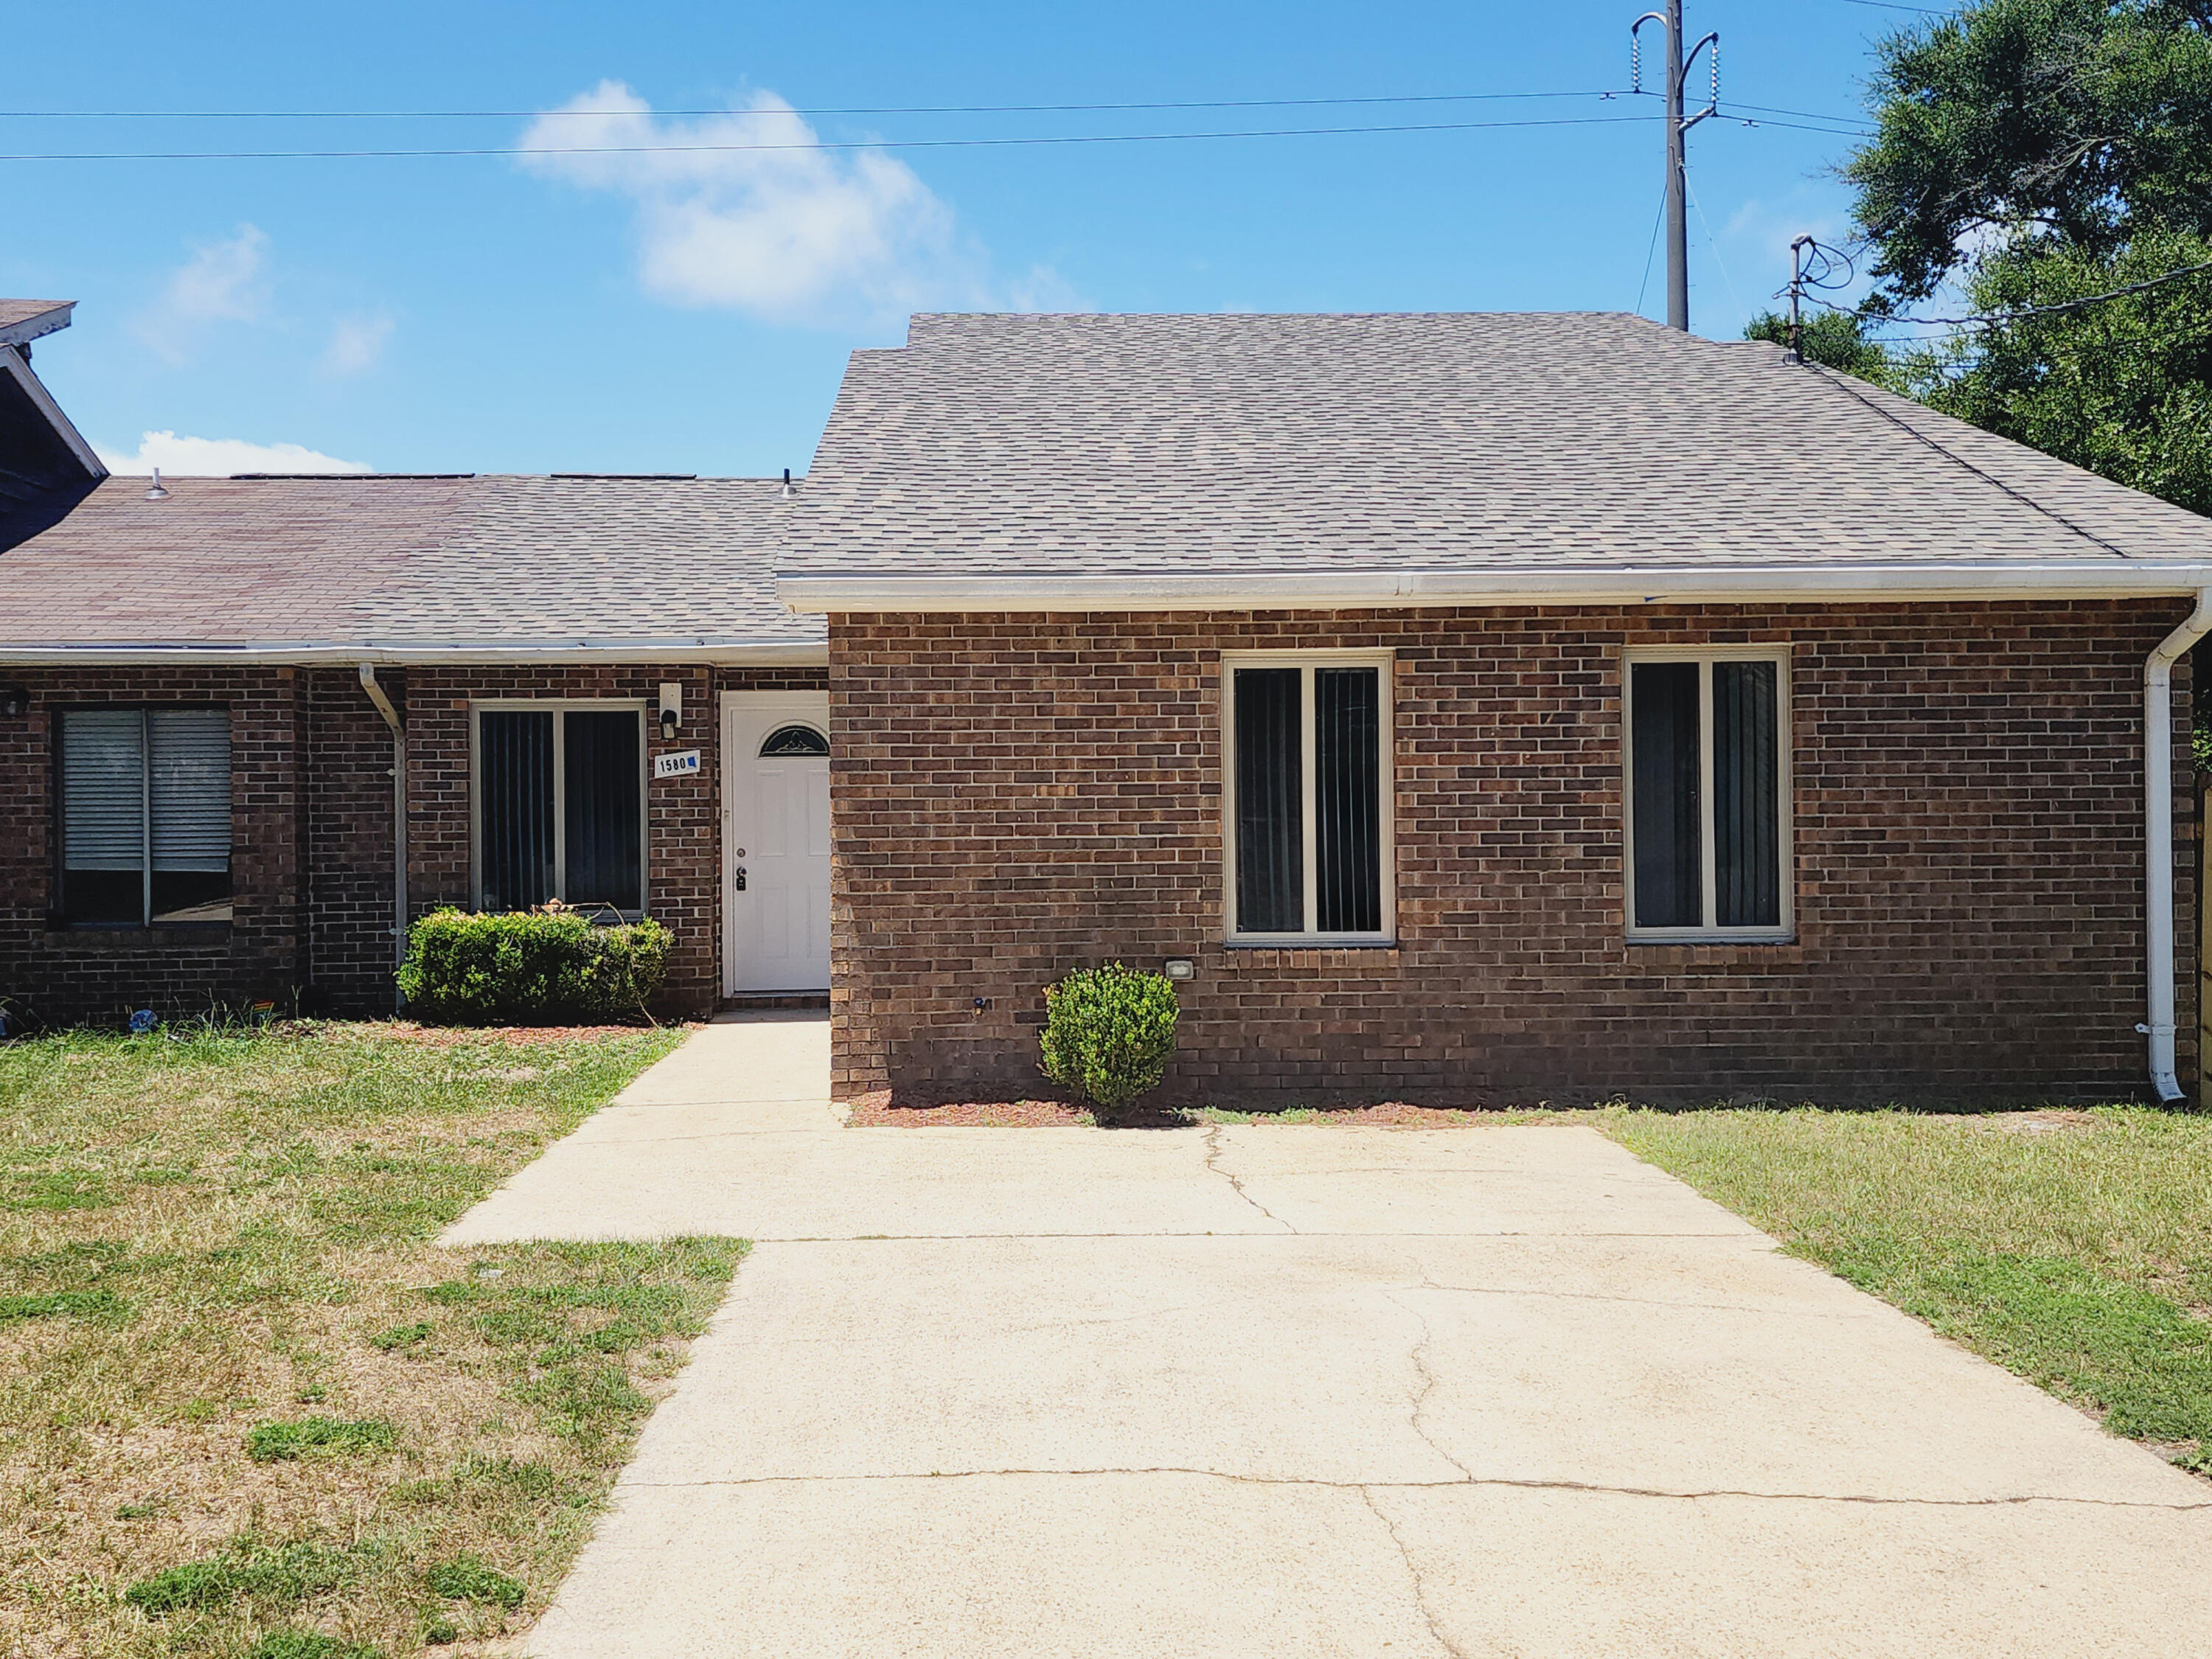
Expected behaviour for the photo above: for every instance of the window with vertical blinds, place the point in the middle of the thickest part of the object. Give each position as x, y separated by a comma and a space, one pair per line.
560, 807
1707, 796
145, 815
1309, 782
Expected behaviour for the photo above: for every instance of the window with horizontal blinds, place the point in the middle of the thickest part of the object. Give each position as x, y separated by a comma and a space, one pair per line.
560, 807
1707, 793
1309, 781
145, 815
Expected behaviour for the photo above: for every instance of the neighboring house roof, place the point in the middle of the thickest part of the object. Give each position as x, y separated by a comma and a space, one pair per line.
46, 465
22, 321
1205, 460
390, 569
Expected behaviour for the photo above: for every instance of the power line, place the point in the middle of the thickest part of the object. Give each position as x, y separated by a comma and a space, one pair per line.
819, 144
1891, 5
1991, 319
886, 109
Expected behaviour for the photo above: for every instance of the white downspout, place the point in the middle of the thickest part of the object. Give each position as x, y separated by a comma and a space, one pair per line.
383, 701
2158, 840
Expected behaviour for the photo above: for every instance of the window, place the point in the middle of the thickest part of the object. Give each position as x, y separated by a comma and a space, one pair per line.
1708, 795
560, 806
145, 815
1309, 798
793, 740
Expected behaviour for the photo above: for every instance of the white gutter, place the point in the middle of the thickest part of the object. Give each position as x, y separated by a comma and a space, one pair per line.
2158, 840
378, 696
110, 654
1555, 582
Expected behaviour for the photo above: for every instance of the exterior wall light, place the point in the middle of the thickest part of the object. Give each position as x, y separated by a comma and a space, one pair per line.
1181, 968
671, 709
15, 703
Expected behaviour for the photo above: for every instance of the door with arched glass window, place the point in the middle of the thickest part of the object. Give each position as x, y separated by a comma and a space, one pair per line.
775, 842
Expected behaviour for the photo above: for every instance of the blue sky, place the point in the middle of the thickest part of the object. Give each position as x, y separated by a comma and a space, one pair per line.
691, 312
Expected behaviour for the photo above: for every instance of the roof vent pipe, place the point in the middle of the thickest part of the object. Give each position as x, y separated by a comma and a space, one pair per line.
789, 492
2158, 843
154, 491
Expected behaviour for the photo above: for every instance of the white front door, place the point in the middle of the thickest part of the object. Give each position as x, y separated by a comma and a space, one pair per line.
775, 842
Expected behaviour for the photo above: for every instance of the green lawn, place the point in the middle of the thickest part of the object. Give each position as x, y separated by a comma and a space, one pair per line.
2074, 1248
246, 1405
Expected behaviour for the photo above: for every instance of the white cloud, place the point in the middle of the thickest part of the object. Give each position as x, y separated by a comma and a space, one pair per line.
788, 234
218, 457
221, 282
356, 344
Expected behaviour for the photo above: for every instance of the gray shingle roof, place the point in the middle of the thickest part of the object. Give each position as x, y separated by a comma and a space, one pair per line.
408, 564
1022, 447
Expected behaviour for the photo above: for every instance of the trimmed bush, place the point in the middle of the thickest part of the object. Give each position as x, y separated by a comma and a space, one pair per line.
1108, 1032
544, 966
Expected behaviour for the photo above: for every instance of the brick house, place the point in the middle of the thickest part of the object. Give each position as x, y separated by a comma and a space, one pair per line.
1465, 709
222, 695
1492, 708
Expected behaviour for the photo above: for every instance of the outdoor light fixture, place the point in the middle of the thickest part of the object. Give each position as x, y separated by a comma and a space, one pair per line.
13, 702
671, 709
1182, 968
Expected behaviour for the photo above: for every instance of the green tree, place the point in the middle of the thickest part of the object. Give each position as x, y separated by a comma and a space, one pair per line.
1834, 339
2021, 124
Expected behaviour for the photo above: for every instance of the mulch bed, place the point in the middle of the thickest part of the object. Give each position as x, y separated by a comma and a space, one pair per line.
518, 1036
880, 1110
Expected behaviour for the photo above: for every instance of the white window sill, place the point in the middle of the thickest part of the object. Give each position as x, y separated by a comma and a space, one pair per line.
1711, 936
1309, 942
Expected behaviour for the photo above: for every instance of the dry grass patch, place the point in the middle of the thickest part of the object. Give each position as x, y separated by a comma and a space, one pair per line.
248, 1407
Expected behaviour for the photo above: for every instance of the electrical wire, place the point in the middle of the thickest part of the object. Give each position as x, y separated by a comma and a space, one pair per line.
818, 144
884, 109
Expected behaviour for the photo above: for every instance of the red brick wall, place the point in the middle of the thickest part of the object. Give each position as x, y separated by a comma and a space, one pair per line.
312, 824
1019, 795
56, 974
682, 848
348, 831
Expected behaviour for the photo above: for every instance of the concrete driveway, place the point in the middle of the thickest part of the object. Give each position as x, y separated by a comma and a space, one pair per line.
1301, 1391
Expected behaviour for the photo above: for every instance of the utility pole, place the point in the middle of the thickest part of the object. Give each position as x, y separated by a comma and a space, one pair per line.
1677, 66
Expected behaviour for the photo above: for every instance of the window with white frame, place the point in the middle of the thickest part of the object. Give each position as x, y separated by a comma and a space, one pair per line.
559, 796
145, 815
1708, 794
1308, 798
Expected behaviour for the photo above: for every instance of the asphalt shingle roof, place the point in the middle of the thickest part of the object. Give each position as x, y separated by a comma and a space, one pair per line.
399, 563
1129, 445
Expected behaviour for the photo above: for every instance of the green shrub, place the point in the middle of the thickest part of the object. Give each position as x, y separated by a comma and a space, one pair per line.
280, 1443
534, 967
1108, 1032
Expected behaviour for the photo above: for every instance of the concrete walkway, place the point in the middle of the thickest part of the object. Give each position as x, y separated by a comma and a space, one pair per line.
1301, 1391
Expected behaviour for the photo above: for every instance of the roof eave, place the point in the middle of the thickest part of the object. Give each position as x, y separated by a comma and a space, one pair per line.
812, 592
298, 654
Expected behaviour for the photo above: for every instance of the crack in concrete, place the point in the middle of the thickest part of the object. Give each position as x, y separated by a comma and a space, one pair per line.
1420, 1590
1420, 1401
1598, 1489
1213, 1156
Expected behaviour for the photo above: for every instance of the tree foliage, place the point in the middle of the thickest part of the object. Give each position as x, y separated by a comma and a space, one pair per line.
2016, 124
1834, 339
